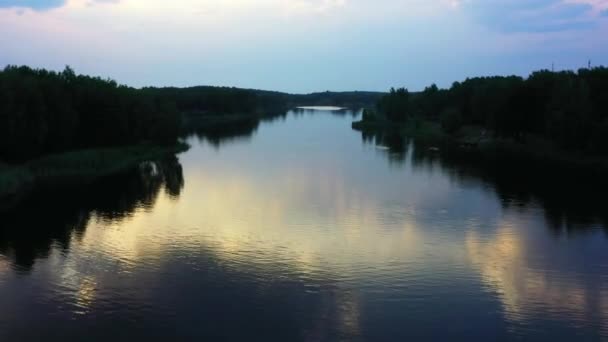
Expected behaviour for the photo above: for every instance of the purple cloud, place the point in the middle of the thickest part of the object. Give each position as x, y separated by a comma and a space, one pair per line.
42, 5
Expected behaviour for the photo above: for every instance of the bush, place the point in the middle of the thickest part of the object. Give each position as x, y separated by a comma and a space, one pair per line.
369, 115
451, 120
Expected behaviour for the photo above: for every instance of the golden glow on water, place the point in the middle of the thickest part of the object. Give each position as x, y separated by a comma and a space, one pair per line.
260, 230
326, 233
254, 228
527, 291
237, 218
86, 294
4, 266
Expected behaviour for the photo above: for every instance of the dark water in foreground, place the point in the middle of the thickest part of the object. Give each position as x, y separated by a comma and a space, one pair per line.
298, 229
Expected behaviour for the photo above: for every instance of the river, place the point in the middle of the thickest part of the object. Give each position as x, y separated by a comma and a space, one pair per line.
298, 228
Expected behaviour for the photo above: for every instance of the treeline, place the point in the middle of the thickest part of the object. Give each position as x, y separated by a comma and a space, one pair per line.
228, 100
568, 108
221, 100
349, 99
44, 112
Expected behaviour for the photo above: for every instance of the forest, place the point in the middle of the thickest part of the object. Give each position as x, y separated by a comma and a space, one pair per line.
230, 100
347, 99
568, 109
220, 100
45, 112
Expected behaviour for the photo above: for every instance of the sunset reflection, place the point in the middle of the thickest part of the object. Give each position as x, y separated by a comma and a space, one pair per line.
237, 219
4, 266
529, 291
307, 241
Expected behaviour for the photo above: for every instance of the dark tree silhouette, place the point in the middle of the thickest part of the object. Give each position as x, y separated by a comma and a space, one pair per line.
45, 112
567, 108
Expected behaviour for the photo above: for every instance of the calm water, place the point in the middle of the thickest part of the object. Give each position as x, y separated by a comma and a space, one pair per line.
299, 228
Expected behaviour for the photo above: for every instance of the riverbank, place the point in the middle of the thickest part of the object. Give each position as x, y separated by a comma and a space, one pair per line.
74, 168
193, 121
532, 155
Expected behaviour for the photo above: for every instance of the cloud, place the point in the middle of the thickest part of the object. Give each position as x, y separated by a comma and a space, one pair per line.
39, 5
43, 5
534, 15
314, 5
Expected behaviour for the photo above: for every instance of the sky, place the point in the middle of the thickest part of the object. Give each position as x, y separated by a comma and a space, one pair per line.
303, 46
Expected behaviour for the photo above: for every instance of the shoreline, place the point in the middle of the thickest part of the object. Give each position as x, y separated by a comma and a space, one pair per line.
74, 168
469, 144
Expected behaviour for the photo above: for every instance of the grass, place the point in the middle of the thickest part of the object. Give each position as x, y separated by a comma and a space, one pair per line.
75, 168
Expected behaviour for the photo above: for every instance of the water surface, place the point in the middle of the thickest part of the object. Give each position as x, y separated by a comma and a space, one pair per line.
299, 228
